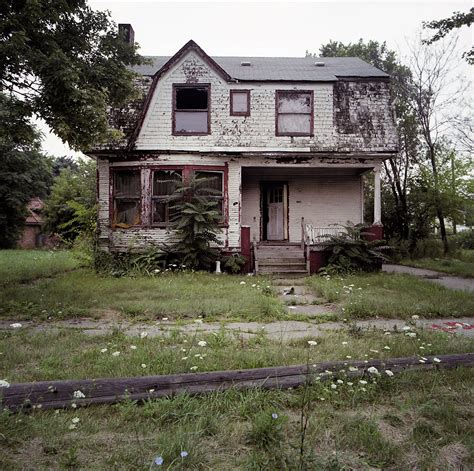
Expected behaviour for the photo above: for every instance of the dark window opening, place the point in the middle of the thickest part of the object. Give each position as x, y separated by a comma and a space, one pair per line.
165, 183
126, 198
213, 188
191, 110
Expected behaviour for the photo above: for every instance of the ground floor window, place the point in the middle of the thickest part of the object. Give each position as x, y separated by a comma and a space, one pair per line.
150, 205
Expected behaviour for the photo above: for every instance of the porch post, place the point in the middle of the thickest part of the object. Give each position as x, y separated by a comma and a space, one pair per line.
377, 198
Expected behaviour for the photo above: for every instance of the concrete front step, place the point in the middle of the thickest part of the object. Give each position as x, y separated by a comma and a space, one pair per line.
278, 263
280, 260
284, 272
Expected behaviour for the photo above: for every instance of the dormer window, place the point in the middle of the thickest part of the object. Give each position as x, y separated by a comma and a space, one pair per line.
294, 113
191, 110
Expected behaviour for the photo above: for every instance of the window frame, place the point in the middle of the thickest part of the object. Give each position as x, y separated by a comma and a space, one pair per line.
186, 172
154, 198
239, 113
176, 87
113, 197
278, 93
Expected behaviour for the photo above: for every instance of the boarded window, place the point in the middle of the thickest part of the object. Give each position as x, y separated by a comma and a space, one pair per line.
240, 102
191, 110
165, 183
294, 113
213, 188
126, 198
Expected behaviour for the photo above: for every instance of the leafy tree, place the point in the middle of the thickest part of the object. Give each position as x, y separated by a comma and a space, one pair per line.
63, 162
68, 63
446, 25
24, 171
70, 209
196, 223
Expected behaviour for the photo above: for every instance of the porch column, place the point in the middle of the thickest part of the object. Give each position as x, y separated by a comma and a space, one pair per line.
377, 198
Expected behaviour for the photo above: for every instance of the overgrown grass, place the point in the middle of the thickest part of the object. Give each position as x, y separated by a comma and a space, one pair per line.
174, 295
453, 266
71, 354
392, 296
20, 266
387, 423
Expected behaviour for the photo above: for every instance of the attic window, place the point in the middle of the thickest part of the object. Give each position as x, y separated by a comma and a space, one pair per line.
294, 113
240, 102
191, 109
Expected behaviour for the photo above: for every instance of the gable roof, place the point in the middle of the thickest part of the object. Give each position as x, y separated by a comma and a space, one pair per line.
286, 69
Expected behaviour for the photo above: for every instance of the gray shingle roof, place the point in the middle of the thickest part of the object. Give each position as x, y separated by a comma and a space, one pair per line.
283, 68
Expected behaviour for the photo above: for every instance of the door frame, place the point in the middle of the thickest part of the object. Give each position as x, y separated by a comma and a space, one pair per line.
264, 185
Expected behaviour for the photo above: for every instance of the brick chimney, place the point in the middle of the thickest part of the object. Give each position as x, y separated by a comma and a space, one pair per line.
126, 33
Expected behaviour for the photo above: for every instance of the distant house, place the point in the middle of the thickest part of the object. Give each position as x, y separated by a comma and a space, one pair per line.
32, 236
288, 139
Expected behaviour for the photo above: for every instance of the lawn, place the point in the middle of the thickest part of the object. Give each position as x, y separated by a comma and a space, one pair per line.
21, 266
386, 423
462, 266
174, 295
392, 296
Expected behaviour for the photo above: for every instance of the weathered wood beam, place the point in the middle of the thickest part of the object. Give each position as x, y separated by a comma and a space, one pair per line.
60, 394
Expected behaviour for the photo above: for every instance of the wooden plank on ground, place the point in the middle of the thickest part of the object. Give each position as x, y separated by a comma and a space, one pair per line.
63, 394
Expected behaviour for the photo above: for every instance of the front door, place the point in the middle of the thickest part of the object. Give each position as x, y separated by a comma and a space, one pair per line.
276, 212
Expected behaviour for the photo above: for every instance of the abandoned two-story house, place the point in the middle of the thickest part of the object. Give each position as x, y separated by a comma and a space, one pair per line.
287, 140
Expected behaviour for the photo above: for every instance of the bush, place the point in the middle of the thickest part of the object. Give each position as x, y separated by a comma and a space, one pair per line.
234, 263
464, 240
350, 252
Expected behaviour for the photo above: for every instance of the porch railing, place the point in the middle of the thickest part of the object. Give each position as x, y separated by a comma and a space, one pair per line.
312, 235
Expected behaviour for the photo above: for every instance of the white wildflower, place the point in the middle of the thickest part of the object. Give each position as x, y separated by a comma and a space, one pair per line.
133, 347
274, 416
159, 460
436, 360
410, 334
422, 361
164, 319
243, 283
183, 454
387, 333
352, 368
349, 383
389, 373
373, 351
193, 368
386, 347
115, 354
143, 335
362, 381
333, 386
372, 370
15, 325
415, 317
72, 426
202, 343
312, 343
348, 356
184, 358
198, 321
75, 420
103, 350
78, 394
406, 327
143, 365
345, 343
4, 383
74, 405
339, 381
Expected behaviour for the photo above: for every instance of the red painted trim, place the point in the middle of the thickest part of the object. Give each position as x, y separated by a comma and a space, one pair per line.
177, 86
112, 171
373, 233
311, 125
245, 247
239, 113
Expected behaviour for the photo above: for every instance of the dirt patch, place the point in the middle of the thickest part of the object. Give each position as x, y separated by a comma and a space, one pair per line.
391, 433
106, 314
452, 456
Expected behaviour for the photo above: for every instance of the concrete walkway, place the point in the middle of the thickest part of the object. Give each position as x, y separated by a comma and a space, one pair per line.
279, 330
448, 281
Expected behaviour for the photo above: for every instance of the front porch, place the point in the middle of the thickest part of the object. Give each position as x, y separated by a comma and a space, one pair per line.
287, 213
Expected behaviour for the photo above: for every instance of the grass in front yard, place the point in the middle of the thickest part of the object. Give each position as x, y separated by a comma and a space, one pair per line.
21, 266
392, 296
174, 295
387, 423
71, 354
451, 266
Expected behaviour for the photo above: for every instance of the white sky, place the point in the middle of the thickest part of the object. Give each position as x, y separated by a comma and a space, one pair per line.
268, 28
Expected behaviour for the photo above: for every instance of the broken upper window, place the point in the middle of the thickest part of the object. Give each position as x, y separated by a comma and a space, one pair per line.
191, 109
294, 113
212, 188
240, 102
126, 194
165, 183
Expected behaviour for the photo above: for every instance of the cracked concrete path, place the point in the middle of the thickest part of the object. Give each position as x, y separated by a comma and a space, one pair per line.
448, 281
278, 330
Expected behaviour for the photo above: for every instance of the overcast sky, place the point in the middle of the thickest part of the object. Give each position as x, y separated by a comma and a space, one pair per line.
267, 28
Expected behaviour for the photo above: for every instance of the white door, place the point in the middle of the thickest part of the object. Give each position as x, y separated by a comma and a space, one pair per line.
276, 217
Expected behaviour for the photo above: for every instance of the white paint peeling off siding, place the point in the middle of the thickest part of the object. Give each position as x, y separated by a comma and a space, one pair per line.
322, 200
257, 131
